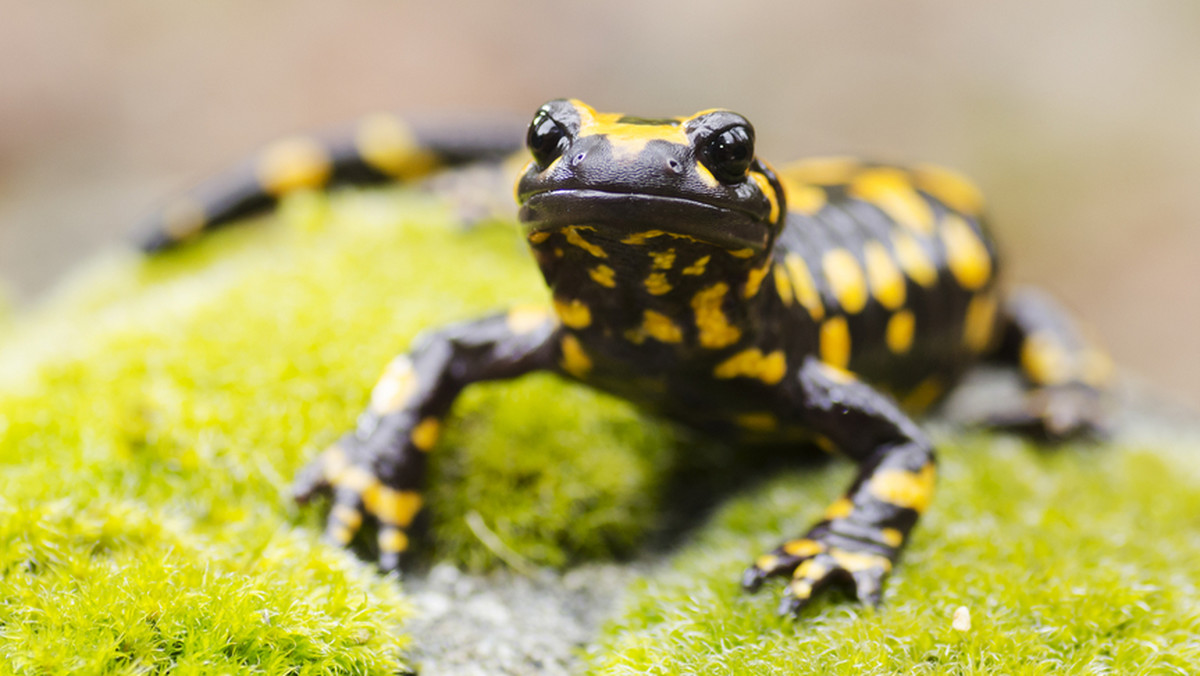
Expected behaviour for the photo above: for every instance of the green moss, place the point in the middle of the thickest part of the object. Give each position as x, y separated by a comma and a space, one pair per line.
153, 413
1081, 560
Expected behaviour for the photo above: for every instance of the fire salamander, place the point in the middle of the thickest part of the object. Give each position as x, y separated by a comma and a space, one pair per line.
818, 303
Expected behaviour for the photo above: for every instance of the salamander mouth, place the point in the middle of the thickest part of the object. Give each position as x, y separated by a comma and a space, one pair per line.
618, 214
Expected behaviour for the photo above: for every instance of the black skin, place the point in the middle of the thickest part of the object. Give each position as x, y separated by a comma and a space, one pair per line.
759, 307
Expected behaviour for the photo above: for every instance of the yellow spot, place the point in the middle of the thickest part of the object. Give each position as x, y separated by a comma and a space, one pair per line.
835, 342
822, 170
715, 329
914, 260
395, 386
845, 278
766, 562
386, 143
573, 237
348, 516
890, 190
392, 540
706, 176
538, 237
900, 330
803, 547
801, 589
183, 218
292, 164
768, 191
697, 268
627, 140
603, 275
752, 363
663, 260
966, 255
891, 537
979, 325
574, 360
574, 313
660, 327
802, 197
859, 561
1044, 360
390, 506
887, 282
522, 319
783, 285
426, 433
656, 283
558, 252
755, 278
839, 509
639, 238
355, 479
923, 395
741, 253
950, 188
811, 569
757, 422
805, 287
911, 490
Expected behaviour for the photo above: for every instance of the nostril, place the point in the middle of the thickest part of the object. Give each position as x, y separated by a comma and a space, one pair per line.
673, 165
578, 158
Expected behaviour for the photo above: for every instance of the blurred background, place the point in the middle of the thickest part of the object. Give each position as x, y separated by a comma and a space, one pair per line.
1080, 118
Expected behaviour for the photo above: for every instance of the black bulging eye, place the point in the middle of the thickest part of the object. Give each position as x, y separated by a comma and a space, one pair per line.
546, 139
728, 154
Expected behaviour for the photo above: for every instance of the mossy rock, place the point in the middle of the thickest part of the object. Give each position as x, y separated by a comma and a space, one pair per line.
152, 413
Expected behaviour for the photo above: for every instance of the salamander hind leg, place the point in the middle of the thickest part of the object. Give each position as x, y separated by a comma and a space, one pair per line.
1065, 374
858, 539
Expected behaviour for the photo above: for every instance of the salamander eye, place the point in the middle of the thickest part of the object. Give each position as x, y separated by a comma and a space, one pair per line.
546, 139
729, 153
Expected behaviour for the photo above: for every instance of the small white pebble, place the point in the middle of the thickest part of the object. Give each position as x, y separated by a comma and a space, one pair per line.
962, 619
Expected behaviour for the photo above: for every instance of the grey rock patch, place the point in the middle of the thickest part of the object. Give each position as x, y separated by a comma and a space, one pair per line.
508, 623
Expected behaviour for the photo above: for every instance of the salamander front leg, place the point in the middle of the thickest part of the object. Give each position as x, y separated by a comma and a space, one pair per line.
858, 540
377, 472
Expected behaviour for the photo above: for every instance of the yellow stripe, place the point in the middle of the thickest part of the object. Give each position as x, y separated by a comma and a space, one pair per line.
603, 275
752, 363
573, 237
887, 282
950, 188
426, 433
912, 490
845, 278
835, 342
966, 255
806, 289
890, 190
979, 325
574, 360
715, 329
573, 313
900, 330
914, 260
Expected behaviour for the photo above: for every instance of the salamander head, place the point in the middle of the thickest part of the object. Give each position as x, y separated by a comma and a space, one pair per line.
695, 177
